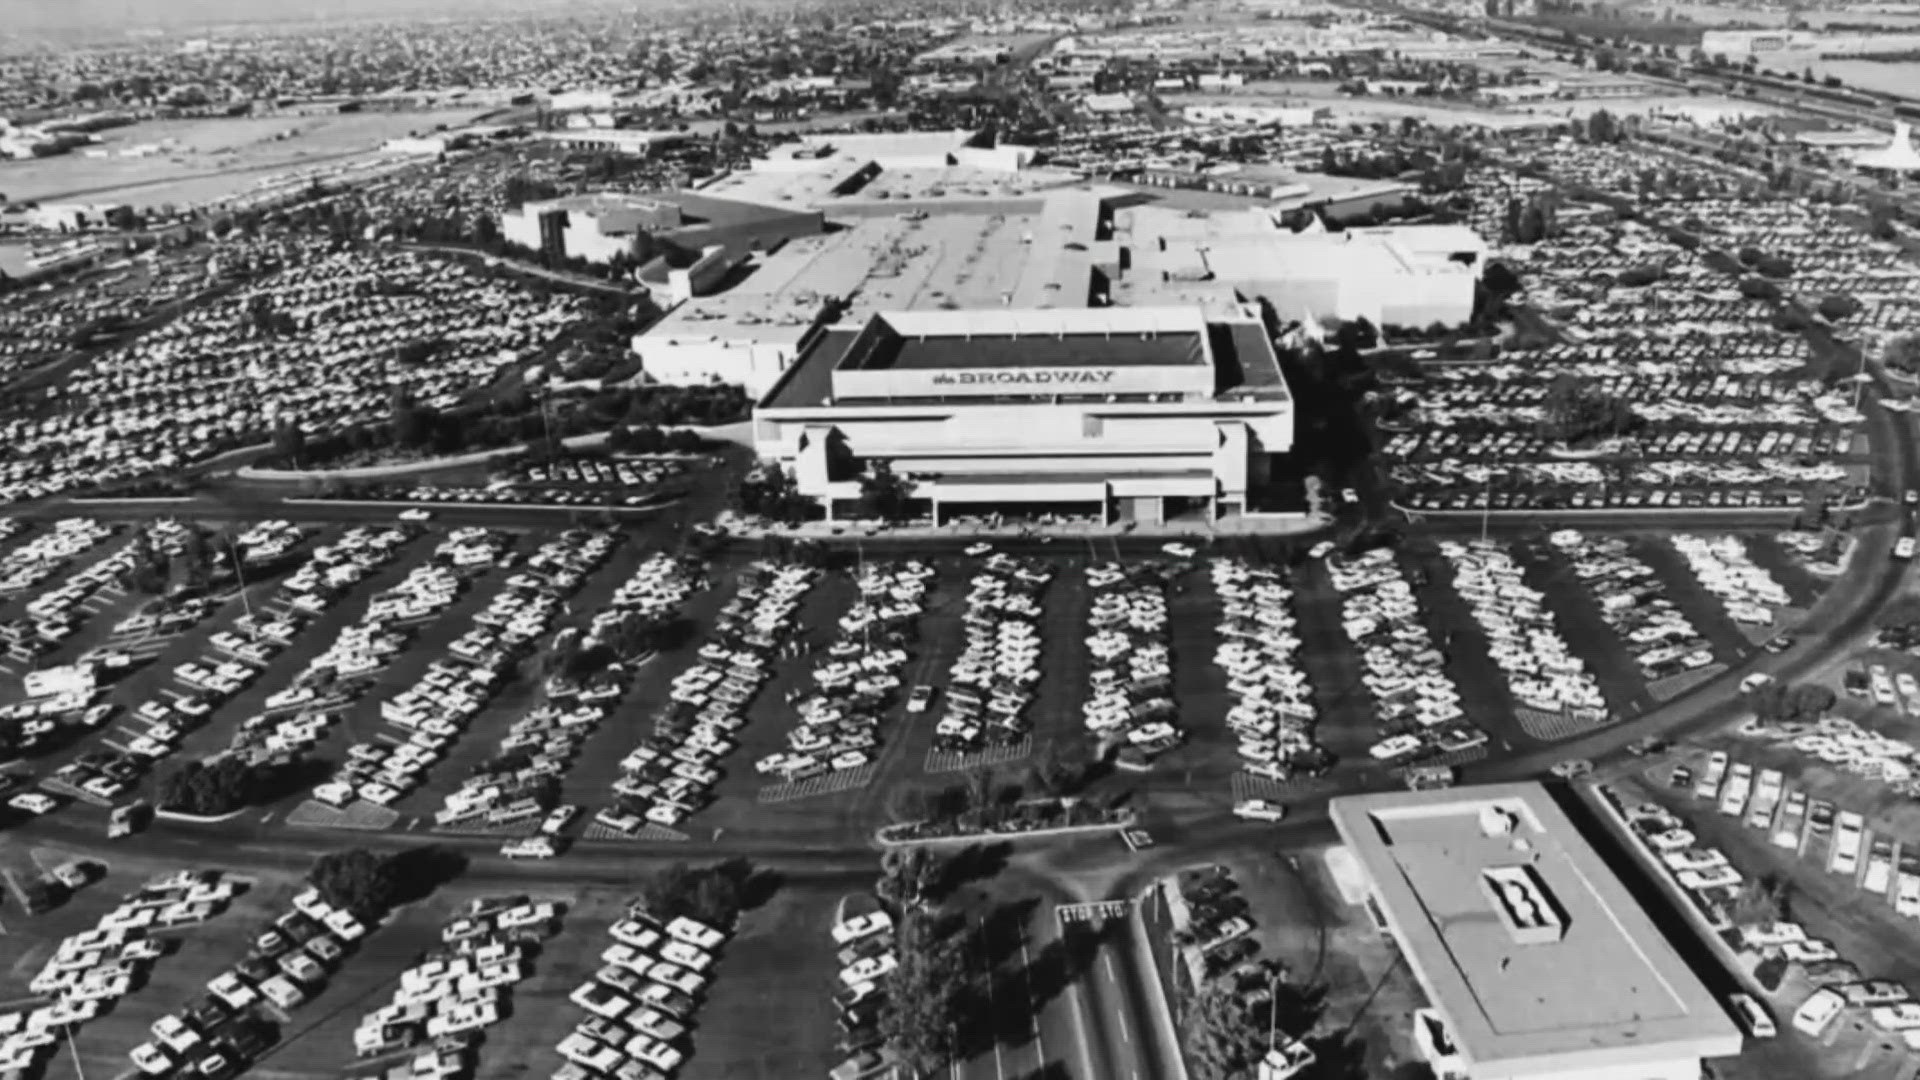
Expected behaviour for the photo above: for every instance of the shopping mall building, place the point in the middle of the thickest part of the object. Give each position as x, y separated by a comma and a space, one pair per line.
1134, 414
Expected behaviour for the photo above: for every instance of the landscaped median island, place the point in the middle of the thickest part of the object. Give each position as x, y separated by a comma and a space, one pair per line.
981, 808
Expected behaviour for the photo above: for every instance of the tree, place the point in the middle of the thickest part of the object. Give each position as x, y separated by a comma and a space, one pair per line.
924, 997
910, 876
210, 788
1602, 127
1838, 306
289, 441
771, 492
1763, 901
1222, 1040
1902, 353
885, 494
355, 880
1578, 414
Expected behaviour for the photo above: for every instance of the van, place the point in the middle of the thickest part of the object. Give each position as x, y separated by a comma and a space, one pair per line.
1752, 1017
523, 810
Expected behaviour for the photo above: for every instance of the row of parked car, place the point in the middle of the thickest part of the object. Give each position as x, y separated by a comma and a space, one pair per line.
45, 554
1130, 685
643, 1000
454, 992
231, 661
1416, 701
1750, 594
1523, 635
522, 779
1633, 603
672, 773
296, 716
858, 677
432, 714
498, 493
91, 970
990, 685
867, 953
221, 1032
1273, 712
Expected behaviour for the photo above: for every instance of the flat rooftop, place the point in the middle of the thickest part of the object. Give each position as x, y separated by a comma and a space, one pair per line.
1245, 367
1525, 940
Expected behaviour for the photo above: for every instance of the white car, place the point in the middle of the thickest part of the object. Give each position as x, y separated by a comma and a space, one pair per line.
919, 699
558, 819
1179, 550
1259, 810
979, 549
416, 514
34, 802
861, 926
533, 847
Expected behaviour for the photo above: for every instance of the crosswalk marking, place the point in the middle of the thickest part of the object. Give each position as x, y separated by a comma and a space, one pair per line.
1247, 786
649, 831
1674, 685
825, 784
1551, 727
952, 761
363, 816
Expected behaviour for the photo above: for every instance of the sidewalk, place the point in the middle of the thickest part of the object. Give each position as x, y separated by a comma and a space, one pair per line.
1246, 525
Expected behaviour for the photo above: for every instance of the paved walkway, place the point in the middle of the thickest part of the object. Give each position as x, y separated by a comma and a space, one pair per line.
1256, 525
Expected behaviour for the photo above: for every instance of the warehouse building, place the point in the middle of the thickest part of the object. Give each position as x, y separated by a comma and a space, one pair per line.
1536, 960
1138, 414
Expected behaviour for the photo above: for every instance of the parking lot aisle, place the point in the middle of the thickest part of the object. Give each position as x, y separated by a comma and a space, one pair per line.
1347, 726
1064, 659
906, 737
1702, 608
217, 734
1585, 630
769, 717
1864, 929
523, 1043
480, 741
1484, 693
590, 781
769, 1013
1199, 684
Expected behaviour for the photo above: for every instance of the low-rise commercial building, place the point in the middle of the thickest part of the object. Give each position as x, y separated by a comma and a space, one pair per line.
1130, 414
1536, 959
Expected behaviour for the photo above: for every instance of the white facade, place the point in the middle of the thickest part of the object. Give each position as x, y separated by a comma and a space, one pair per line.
1024, 406
691, 360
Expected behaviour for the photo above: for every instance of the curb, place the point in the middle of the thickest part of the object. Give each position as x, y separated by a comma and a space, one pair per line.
198, 819
1666, 512
436, 506
1126, 822
1162, 1008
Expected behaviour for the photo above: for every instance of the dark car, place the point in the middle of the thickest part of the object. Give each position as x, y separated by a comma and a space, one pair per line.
1681, 777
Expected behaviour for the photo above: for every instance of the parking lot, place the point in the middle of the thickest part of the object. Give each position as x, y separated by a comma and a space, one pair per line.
1688, 358
1812, 898
427, 678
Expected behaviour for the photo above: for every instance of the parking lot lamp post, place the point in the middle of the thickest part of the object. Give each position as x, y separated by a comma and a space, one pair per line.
1273, 1009
240, 577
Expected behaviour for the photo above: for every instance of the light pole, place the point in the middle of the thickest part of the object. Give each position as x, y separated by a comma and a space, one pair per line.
1273, 1010
240, 577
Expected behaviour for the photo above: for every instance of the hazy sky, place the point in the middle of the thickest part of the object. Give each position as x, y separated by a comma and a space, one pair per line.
30, 17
